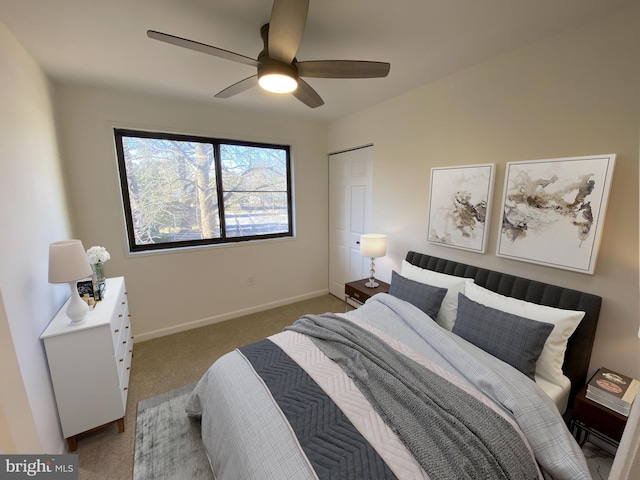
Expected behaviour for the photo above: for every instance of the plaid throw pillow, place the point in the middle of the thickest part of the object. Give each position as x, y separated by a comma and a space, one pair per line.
426, 297
515, 340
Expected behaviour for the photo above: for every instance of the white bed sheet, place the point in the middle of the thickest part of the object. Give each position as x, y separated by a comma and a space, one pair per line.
558, 393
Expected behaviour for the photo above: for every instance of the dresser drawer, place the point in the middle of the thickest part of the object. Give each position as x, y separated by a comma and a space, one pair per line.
117, 319
126, 371
120, 356
124, 344
124, 327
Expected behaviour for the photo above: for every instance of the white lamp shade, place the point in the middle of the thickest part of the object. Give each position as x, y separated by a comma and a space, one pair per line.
68, 262
373, 245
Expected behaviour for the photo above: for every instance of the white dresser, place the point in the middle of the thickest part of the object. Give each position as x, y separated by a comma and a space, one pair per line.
90, 364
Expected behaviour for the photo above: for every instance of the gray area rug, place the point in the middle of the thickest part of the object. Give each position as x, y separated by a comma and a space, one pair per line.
168, 444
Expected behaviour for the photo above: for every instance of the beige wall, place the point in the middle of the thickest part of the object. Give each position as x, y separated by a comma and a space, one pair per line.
176, 290
32, 215
577, 93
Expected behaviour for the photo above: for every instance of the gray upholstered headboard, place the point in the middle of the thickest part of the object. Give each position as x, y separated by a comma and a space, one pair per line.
576, 364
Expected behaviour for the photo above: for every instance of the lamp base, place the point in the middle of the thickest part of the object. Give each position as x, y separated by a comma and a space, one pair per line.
372, 281
77, 308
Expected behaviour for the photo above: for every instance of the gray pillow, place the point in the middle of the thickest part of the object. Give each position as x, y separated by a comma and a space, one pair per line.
515, 340
426, 297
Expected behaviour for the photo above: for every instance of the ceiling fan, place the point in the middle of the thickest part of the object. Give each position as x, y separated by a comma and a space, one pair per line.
278, 70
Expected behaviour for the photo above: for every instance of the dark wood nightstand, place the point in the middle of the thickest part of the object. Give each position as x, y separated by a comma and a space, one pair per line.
592, 418
360, 293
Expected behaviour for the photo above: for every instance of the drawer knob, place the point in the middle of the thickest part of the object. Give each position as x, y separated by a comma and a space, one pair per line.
116, 330
121, 360
124, 303
126, 388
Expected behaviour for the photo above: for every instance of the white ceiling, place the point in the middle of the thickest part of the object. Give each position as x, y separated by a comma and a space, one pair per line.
104, 42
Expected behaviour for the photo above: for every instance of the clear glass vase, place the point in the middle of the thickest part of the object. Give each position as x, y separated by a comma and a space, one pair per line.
99, 280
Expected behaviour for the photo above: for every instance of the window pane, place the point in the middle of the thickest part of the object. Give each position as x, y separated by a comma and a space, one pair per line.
253, 168
172, 190
256, 213
254, 181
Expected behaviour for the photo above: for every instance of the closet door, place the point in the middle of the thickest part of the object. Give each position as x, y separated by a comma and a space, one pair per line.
350, 186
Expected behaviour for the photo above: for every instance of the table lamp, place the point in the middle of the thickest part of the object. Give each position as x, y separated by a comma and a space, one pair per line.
67, 264
373, 245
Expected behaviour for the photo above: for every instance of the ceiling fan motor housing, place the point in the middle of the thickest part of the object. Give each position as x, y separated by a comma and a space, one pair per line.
275, 75
269, 66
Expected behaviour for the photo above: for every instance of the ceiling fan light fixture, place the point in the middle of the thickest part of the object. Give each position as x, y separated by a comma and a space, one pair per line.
277, 83
277, 77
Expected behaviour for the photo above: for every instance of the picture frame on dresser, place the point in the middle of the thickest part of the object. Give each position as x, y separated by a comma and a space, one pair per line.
90, 363
85, 287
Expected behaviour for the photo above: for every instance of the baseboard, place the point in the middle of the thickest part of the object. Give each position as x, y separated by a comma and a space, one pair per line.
141, 337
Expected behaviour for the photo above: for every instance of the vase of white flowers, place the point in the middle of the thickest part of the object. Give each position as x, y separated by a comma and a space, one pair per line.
97, 256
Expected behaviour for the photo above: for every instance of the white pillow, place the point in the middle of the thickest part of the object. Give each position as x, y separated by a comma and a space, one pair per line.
449, 309
549, 364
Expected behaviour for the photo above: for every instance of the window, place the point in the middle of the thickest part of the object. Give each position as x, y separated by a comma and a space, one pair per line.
181, 190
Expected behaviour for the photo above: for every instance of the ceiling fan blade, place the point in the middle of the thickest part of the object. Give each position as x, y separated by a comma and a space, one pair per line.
201, 47
286, 26
307, 95
238, 87
343, 69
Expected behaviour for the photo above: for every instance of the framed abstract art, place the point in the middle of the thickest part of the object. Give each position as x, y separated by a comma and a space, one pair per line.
460, 206
553, 211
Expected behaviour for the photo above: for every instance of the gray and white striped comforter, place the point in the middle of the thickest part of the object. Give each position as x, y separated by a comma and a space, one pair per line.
247, 436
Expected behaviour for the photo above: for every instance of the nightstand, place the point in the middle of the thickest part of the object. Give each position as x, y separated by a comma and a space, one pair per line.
592, 418
360, 293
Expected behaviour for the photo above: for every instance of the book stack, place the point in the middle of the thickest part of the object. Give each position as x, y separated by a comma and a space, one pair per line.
613, 390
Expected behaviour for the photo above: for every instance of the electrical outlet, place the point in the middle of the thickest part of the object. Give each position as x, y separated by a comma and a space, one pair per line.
251, 280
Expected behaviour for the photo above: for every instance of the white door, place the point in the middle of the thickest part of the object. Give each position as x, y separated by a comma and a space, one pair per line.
350, 185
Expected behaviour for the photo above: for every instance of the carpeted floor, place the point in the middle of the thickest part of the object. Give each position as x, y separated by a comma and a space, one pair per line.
166, 363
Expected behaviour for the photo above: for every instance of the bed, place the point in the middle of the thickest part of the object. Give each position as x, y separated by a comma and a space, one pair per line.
458, 372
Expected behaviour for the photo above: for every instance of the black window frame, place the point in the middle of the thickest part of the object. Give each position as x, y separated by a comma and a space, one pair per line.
119, 133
